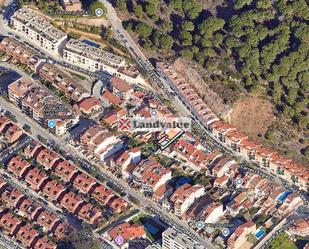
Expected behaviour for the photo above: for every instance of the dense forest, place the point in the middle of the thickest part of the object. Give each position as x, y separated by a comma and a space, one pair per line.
264, 43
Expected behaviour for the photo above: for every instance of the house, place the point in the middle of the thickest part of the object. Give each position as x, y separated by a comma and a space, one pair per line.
12, 133
111, 98
184, 197
66, 171
90, 214
36, 179
121, 88
213, 212
12, 197
117, 204
238, 239
53, 190
299, 228
48, 158
222, 167
90, 105
18, 166
9, 223
127, 157
44, 243
162, 193
72, 202
102, 194
127, 231
27, 236
84, 183
32, 149
47, 221
29, 209
151, 175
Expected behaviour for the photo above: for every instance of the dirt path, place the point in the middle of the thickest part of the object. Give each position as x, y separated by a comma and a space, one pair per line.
252, 115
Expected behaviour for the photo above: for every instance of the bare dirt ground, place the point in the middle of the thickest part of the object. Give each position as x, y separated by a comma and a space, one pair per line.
252, 115
197, 82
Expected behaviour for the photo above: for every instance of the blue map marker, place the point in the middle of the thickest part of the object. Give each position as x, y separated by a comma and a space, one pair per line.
51, 124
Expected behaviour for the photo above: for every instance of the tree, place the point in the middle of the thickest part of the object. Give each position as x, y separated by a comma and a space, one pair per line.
186, 38
122, 5
187, 26
187, 53
143, 30
166, 42
306, 153
211, 25
241, 3
138, 11
192, 9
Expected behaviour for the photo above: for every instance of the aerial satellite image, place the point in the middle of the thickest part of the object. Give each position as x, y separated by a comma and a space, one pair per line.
154, 124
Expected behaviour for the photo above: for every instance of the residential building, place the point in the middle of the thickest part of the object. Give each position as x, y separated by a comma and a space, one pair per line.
189, 95
9, 223
37, 102
84, 183
36, 179
72, 202
299, 228
151, 175
90, 105
238, 240
24, 55
63, 82
90, 214
66, 171
27, 236
54, 190
48, 159
19, 167
38, 29
173, 239
99, 142
184, 197
127, 231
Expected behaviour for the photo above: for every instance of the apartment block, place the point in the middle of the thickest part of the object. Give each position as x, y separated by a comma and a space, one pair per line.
173, 239
36, 102
38, 29
89, 56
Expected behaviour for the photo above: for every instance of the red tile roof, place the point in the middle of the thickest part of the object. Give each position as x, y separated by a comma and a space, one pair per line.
112, 98
102, 194
27, 235
84, 183
18, 166
36, 178
127, 231
53, 190
72, 202
66, 171
47, 158
90, 214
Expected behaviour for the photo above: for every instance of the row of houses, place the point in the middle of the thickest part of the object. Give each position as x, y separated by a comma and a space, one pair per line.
16, 207
282, 166
82, 53
37, 102
266, 158
56, 191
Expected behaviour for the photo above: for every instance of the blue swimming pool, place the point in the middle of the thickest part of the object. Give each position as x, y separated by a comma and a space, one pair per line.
283, 196
259, 234
151, 229
91, 43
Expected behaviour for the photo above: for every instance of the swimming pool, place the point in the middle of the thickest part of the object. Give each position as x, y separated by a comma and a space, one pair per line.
283, 196
91, 43
259, 234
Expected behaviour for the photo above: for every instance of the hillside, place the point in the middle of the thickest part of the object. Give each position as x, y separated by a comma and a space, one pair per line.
256, 47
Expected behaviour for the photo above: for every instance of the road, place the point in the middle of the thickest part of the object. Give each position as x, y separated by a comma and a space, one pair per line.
37, 130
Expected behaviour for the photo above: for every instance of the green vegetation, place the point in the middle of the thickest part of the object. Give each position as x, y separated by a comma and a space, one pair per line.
282, 241
264, 42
